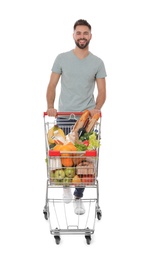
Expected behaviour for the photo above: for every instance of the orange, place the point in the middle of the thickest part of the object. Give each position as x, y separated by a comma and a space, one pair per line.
57, 147
76, 179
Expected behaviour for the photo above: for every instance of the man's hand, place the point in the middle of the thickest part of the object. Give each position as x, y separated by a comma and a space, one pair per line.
52, 112
94, 111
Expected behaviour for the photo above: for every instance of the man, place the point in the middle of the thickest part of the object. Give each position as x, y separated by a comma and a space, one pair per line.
79, 70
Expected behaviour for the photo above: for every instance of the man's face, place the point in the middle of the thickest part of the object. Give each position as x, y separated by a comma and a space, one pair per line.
82, 36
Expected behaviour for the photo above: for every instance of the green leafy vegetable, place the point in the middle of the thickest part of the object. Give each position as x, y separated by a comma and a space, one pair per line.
93, 142
81, 147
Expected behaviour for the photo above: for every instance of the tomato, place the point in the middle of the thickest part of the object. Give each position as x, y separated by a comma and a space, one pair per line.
88, 179
86, 142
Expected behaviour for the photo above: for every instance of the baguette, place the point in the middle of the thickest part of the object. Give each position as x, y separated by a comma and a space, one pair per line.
80, 123
92, 122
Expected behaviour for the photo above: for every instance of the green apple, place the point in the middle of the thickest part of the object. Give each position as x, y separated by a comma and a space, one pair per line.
69, 172
52, 175
59, 174
58, 182
67, 181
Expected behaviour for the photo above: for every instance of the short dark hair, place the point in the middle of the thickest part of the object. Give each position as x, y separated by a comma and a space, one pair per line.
82, 22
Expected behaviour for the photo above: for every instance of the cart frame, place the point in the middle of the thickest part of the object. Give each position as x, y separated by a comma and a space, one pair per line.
70, 229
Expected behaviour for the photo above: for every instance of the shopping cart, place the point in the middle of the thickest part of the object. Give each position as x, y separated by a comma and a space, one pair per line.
70, 169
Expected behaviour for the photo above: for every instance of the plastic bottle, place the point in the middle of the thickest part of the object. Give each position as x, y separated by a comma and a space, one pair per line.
58, 138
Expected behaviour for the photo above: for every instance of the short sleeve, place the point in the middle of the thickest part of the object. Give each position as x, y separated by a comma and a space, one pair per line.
101, 72
57, 68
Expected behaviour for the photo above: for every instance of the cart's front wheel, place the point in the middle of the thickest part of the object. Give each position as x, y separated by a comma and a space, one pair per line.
57, 239
99, 215
88, 239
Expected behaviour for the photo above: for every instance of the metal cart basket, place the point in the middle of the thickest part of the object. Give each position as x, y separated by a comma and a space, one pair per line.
70, 168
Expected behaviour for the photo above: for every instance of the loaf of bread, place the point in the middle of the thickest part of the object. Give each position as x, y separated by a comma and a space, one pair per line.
81, 121
92, 122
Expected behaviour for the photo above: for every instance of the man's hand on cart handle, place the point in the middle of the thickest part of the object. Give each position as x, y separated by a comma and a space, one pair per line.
95, 111
52, 112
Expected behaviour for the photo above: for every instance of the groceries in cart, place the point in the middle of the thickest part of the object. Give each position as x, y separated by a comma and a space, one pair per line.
73, 156
83, 135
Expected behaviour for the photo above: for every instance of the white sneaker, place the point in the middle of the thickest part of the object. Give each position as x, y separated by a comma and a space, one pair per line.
79, 208
67, 195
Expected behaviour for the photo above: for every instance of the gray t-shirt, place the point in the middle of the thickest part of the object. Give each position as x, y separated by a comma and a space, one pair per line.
77, 80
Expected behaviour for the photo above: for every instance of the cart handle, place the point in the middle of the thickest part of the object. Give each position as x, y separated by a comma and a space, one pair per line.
68, 114
65, 113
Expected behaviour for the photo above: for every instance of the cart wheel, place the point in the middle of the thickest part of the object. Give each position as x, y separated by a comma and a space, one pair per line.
45, 214
88, 239
99, 215
57, 239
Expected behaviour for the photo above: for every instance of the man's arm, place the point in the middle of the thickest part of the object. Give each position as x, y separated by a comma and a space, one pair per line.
101, 97
101, 85
50, 94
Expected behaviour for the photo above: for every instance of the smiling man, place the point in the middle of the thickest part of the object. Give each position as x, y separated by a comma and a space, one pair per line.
82, 35
80, 71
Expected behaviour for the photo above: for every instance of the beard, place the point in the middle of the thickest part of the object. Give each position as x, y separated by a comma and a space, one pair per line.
82, 45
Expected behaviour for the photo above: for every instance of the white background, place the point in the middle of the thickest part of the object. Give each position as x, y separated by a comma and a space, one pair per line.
32, 34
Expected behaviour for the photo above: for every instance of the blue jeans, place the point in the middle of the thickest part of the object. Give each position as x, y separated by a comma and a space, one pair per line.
66, 125
78, 193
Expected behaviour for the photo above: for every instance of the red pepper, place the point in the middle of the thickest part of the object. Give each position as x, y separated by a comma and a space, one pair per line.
86, 142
